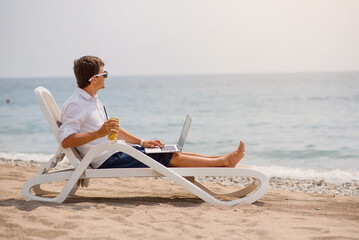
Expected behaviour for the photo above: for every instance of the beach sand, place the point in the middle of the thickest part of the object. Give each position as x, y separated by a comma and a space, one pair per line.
149, 208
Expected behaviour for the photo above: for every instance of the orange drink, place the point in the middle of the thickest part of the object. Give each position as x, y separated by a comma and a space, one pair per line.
112, 137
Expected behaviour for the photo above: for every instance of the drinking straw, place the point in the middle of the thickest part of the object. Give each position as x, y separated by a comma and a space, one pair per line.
105, 112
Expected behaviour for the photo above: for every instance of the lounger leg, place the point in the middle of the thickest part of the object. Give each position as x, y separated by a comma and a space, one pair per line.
39, 191
81, 182
74, 189
36, 182
240, 193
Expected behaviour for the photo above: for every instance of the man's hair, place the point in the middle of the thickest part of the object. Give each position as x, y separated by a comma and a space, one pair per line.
85, 67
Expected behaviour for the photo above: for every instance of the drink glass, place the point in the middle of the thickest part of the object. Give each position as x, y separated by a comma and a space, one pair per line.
112, 137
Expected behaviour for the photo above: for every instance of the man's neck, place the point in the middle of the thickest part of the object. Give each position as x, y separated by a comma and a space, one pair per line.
90, 90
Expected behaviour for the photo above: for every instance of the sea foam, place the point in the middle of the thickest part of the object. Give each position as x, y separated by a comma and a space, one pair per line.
328, 175
27, 157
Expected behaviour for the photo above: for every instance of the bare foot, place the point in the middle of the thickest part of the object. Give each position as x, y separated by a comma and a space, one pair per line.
234, 157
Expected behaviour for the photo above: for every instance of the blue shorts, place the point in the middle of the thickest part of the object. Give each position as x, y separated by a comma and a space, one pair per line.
123, 160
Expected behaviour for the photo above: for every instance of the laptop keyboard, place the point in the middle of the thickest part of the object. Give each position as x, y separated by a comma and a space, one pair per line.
168, 148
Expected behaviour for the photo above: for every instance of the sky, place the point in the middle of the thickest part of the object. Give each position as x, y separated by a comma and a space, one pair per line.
42, 38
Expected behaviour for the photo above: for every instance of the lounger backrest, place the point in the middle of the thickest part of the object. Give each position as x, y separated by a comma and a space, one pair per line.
52, 115
50, 110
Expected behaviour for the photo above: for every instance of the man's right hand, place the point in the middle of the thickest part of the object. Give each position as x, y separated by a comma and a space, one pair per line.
110, 126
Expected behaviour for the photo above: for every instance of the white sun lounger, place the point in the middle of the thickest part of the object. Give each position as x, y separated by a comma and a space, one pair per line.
81, 172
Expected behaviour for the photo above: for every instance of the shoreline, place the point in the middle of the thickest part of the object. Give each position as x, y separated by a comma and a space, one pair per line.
289, 184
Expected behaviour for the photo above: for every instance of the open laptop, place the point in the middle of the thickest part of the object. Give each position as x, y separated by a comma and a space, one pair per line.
169, 148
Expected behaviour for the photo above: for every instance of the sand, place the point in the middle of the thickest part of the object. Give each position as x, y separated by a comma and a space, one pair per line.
149, 208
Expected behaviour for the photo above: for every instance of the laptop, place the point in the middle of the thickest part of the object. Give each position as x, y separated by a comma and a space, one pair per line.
170, 148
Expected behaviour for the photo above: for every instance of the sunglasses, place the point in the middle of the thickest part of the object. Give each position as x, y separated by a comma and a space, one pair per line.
105, 74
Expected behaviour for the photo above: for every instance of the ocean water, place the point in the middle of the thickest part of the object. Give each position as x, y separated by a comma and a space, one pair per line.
303, 125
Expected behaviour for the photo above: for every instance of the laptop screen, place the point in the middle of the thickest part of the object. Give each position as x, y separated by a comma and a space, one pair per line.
184, 133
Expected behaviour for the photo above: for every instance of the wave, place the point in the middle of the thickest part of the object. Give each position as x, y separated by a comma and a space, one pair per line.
37, 157
30, 157
328, 175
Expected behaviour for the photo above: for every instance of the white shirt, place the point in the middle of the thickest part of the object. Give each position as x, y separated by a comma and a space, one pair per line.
82, 113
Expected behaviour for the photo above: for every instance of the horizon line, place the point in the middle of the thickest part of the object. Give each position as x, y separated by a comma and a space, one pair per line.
198, 74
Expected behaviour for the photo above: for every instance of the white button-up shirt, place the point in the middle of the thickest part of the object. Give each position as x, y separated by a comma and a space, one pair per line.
82, 113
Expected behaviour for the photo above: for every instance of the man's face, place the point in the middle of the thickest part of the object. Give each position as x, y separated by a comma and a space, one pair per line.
100, 81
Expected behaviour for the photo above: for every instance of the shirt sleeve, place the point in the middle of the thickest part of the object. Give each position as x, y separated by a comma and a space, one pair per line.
72, 117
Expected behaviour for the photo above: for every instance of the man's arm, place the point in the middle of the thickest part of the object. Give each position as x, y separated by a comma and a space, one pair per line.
78, 139
110, 126
128, 137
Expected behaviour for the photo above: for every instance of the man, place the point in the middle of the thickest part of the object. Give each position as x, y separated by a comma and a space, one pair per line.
85, 125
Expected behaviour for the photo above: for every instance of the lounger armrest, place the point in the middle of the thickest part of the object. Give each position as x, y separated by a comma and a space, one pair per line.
120, 147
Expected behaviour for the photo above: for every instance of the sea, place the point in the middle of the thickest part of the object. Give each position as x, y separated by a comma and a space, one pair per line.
297, 125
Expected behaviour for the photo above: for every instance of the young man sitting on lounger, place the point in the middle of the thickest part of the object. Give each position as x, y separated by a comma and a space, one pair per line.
84, 125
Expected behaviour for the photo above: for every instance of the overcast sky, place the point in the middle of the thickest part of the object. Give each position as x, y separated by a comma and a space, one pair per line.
41, 38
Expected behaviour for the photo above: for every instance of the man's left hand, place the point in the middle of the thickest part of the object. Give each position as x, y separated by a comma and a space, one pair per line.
152, 144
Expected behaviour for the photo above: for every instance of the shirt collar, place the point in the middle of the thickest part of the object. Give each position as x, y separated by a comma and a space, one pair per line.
84, 94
